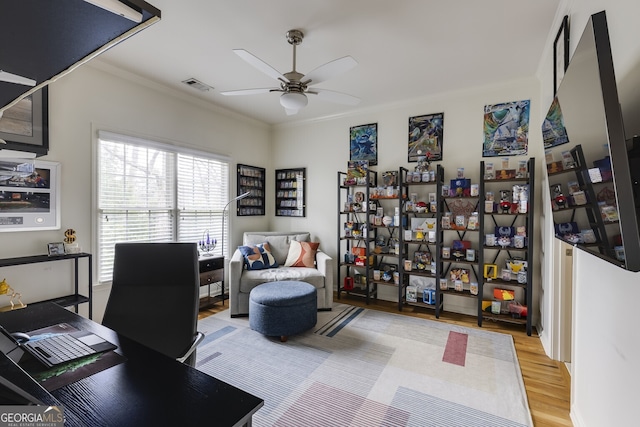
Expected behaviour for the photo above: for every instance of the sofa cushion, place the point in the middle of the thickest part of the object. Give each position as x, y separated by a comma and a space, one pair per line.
302, 254
258, 257
279, 243
252, 278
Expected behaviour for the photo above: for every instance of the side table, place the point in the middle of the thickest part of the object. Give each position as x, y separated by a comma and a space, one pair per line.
212, 273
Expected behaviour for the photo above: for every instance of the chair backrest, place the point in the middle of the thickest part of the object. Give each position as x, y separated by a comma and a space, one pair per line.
155, 295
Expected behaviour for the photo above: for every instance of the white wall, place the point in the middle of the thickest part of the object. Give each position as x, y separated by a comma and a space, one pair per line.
98, 97
323, 148
606, 348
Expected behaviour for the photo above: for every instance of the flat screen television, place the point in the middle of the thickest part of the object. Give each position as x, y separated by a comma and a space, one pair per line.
594, 194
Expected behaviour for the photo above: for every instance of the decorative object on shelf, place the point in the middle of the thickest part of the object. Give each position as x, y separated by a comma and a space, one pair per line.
251, 179
207, 244
55, 248
6, 289
426, 137
557, 197
460, 187
363, 143
473, 288
421, 207
506, 129
490, 271
560, 53
505, 201
70, 244
357, 172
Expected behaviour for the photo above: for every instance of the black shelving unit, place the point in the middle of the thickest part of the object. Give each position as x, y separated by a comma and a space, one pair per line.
73, 300
356, 271
409, 247
498, 255
445, 238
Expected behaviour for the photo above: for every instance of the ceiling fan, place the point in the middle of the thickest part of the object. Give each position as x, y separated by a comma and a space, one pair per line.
294, 85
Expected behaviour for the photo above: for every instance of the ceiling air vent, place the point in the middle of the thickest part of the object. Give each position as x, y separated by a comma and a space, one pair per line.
197, 84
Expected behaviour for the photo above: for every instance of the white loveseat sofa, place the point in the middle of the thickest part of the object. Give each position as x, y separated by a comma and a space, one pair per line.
241, 280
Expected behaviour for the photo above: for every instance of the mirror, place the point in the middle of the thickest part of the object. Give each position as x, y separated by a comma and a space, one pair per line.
592, 193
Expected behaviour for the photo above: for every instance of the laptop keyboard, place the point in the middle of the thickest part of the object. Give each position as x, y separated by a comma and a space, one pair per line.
61, 348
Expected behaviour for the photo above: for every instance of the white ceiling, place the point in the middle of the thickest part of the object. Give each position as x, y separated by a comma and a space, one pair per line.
406, 49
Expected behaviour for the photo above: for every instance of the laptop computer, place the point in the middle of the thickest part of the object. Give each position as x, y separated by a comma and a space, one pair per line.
64, 345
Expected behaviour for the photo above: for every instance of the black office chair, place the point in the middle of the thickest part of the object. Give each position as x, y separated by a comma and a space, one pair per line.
155, 296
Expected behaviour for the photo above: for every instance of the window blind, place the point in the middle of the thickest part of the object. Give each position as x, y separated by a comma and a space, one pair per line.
151, 192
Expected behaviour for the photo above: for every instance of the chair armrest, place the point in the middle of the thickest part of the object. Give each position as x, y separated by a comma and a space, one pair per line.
199, 337
236, 265
324, 264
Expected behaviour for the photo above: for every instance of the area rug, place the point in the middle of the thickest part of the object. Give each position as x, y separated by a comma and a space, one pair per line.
361, 367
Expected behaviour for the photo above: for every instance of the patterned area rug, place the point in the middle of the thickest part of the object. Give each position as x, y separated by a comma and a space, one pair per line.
361, 367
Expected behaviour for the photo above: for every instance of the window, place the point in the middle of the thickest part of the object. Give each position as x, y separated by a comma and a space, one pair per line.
154, 192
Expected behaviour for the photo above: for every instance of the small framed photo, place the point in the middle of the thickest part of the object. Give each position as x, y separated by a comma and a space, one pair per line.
55, 248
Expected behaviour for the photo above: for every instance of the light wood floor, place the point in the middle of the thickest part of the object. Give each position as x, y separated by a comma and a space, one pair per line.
547, 382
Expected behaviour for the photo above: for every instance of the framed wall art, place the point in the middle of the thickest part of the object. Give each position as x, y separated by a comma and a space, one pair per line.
251, 178
363, 143
560, 53
425, 137
29, 195
506, 129
25, 126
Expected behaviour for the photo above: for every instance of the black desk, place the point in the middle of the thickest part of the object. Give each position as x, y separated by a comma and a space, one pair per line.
148, 389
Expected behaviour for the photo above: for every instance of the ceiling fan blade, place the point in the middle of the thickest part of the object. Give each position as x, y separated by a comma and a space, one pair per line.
14, 78
337, 97
249, 91
260, 64
331, 69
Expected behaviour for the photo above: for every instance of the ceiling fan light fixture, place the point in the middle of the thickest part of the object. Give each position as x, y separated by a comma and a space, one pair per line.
293, 100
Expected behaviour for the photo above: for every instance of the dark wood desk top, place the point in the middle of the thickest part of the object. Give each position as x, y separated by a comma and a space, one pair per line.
149, 388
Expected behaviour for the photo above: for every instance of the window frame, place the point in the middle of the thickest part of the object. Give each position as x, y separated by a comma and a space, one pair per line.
175, 210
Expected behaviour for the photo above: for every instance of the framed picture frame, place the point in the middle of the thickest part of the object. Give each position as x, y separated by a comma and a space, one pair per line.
290, 192
506, 129
55, 248
25, 126
251, 178
363, 143
31, 195
560, 53
425, 137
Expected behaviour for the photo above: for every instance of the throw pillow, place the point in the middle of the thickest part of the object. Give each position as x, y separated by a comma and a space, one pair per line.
258, 257
302, 254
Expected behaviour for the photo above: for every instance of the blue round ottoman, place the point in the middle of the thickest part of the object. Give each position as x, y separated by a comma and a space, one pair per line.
283, 308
